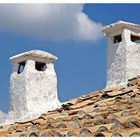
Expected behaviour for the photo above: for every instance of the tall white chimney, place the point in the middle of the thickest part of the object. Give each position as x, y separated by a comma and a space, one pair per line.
123, 52
33, 84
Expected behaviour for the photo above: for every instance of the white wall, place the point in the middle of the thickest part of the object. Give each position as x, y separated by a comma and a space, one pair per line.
32, 92
123, 59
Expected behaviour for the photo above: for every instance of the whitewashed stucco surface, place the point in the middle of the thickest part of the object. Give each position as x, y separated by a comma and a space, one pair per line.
123, 59
32, 92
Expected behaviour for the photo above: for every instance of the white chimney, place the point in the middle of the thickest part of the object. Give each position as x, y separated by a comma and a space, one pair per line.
123, 52
33, 84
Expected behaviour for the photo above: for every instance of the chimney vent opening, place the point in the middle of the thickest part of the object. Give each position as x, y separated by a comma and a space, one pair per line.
135, 38
21, 67
40, 66
117, 38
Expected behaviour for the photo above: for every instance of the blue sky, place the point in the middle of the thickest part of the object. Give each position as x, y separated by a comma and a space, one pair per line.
81, 64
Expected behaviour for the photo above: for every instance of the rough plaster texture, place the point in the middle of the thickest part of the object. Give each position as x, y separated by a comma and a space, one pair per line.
123, 59
32, 92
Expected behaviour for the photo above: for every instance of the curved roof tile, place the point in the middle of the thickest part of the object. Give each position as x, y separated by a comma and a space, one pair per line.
108, 112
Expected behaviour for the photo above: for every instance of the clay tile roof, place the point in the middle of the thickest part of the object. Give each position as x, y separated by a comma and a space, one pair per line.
109, 112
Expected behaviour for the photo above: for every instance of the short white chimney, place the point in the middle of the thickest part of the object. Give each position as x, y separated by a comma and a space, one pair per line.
33, 84
123, 52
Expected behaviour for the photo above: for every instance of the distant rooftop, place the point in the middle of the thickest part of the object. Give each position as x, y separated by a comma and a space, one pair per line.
35, 54
120, 24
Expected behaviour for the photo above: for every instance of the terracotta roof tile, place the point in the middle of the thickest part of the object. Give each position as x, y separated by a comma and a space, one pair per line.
109, 112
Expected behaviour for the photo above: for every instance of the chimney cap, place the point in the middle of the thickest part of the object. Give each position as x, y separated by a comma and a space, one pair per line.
120, 24
35, 54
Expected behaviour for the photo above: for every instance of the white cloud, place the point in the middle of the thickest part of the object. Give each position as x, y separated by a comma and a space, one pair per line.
3, 116
49, 21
